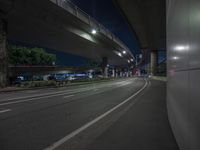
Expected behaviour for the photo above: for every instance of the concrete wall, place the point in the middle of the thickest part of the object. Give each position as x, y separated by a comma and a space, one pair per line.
183, 46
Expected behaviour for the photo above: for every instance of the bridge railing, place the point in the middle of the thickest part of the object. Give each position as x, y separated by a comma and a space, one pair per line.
73, 9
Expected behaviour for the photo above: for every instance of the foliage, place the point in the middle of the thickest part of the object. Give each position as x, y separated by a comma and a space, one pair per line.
29, 56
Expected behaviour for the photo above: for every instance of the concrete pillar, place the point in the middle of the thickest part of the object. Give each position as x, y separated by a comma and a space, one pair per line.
113, 73
105, 67
154, 59
127, 73
3, 54
116, 73
121, 74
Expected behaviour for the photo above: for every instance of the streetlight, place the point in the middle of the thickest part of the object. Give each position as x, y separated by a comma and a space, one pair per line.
119, 54
94, 31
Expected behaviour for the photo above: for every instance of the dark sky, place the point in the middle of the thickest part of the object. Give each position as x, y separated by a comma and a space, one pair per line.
107, 14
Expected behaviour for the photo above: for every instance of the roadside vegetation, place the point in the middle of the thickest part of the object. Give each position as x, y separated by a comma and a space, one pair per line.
25, 56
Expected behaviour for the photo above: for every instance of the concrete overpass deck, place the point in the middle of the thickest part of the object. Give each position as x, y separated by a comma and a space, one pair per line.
60, 25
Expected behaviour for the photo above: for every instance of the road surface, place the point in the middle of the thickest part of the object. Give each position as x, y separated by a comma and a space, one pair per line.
124, 114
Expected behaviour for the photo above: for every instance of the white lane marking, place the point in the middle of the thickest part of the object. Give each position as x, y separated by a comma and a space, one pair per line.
36, 98
31, 99
59, 92
3, 111
87, 125
68, 96
41, 96
46, 94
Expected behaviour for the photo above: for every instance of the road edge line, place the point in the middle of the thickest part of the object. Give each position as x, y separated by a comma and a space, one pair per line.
87, 125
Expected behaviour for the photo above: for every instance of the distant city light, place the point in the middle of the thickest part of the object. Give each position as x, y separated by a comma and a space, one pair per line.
124, 52
94, 31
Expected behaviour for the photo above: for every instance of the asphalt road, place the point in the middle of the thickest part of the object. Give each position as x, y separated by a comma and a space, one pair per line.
123, 114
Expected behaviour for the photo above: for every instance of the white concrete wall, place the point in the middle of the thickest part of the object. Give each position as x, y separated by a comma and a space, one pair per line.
183, 46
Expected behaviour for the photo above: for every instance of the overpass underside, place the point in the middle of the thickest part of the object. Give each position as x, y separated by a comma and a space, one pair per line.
147, 19
45, 24
48, 25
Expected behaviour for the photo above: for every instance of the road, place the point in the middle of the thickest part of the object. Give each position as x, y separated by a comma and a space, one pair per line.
120, 114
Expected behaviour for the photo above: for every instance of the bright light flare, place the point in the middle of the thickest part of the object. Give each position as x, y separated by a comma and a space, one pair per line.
119, 54
175, 58
181, 48
124, 52
94, 31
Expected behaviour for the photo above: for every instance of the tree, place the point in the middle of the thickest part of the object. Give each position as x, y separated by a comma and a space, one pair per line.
19, 55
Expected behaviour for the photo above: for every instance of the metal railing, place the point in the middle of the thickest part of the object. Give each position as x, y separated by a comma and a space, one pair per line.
73, 9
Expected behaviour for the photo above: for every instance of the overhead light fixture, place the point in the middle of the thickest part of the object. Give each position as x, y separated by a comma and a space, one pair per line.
181, 48
175, 58
119, 54
94, 31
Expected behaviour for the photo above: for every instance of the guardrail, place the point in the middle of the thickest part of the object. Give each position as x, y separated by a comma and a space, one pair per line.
73, 9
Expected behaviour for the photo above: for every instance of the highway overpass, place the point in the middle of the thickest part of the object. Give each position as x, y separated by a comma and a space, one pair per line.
147, 19
59, 25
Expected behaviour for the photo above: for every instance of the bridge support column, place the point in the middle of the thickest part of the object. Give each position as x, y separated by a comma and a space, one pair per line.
113, 72
105, 67
121, 74
3, 53
116, 73
154, 59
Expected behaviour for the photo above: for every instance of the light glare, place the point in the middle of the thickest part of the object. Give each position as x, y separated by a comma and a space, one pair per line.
181, 48
94, 31
119, 54
124, 52
175, 58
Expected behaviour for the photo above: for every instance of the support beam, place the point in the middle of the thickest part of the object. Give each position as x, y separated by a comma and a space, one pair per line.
3, 54
154, 62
